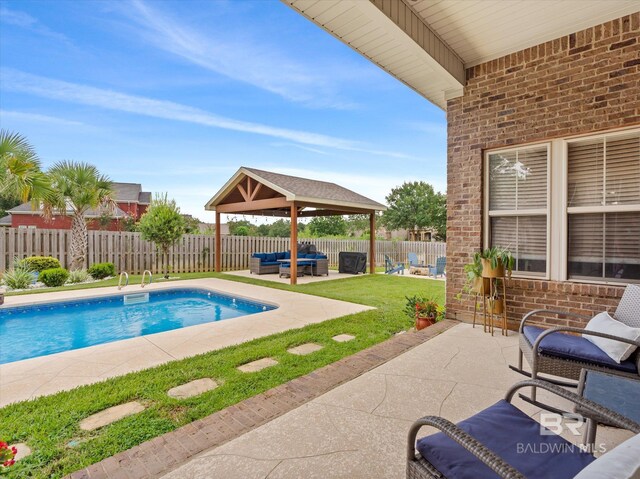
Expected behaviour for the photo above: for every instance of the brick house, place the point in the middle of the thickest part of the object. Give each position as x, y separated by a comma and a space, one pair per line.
130, 201
543, 110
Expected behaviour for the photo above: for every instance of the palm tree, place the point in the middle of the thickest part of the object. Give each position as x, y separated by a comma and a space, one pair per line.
77, 188
20, 174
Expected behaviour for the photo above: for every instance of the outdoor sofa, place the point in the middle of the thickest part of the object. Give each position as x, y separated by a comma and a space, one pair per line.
268, 263
564, 351
502, 441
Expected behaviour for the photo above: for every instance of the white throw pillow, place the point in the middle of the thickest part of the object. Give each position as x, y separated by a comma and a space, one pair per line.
616, 350
628, 311
622, 462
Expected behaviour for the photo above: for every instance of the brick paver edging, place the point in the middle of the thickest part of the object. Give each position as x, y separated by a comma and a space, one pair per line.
164, 453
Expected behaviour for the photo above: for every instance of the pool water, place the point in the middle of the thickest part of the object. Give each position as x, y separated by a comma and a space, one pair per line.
47, 328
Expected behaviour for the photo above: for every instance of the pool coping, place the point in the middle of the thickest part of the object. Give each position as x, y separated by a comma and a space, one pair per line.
30, 378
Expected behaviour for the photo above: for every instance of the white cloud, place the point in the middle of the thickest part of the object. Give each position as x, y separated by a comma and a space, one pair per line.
18, 81
35, 117
26, 21
237, 56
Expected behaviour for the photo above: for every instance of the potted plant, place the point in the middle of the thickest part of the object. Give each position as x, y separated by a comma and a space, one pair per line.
423, 311
426, 314
495, 305
495, 261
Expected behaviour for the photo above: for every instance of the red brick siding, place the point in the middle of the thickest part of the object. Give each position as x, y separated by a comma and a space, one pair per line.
57, 222
582, 83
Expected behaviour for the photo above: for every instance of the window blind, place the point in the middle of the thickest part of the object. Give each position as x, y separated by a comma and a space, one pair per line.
586, 169
518, 179
623, 170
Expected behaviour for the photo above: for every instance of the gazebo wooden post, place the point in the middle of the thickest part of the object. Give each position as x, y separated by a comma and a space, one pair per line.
218, 244
294, 244
372, 243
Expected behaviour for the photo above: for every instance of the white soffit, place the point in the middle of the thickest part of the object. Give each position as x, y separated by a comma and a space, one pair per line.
424, 64
483, 30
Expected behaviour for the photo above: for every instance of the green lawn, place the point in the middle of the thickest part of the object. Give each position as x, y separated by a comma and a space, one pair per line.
49, 425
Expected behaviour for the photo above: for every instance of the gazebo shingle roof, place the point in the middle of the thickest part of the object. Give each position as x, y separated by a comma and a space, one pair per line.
316, 189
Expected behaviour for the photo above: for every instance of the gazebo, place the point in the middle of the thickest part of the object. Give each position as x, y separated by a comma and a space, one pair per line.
257, 192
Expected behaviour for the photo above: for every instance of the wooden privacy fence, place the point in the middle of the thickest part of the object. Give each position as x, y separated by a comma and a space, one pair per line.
193, 253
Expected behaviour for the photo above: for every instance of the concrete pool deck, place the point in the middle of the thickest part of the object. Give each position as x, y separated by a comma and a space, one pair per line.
30, 378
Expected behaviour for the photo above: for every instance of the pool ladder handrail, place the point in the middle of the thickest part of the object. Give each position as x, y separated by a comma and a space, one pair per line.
126, 275
142, 285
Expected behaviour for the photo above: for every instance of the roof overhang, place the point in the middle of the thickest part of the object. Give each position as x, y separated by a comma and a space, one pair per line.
428, 44
393, 37
280, 205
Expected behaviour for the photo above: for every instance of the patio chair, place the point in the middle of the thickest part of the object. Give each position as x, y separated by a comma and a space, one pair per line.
502, 441
438, 269
391, 267
564, 351
414, 262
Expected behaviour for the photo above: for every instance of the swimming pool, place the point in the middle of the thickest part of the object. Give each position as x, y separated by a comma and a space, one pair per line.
47, 328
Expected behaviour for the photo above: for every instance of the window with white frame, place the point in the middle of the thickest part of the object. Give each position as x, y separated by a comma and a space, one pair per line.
517, 204
603, 207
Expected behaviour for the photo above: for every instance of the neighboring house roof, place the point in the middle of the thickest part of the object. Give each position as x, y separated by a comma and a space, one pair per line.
299, 189
144, 198
428, 44
5, 220
27, 209
123, 193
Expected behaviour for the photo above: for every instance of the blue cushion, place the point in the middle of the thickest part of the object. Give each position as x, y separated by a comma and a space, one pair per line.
301, 255
280, 255
271, 257
268, 263
261, 256
287, 255
311, 255
569, 346
513, 436
321, 256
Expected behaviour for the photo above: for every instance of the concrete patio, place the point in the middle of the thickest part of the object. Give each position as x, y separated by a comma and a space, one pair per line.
358, 430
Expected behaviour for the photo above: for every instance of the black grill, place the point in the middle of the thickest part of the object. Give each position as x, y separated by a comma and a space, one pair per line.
352, 263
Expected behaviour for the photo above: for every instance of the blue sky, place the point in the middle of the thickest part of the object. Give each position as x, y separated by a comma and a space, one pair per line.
178, 95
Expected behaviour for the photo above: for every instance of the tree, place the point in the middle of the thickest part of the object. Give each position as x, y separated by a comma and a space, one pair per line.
191, 224
21, 177
241, 228
163, 224
327, 226
280, 229
78, 187
416, 205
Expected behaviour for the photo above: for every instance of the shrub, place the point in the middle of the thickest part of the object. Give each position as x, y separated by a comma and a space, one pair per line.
54, 277
39, 263
78, 276
102, 270
18, 278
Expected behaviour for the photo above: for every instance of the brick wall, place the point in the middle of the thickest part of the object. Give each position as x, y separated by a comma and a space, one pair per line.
582, 83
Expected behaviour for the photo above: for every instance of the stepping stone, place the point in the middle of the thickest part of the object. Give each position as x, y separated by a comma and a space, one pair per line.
23, 451
343, 338
193, 388
110, 415
258, 365
305, 349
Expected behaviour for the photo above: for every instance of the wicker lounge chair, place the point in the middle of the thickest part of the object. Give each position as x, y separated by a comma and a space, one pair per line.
552, 351
489, 444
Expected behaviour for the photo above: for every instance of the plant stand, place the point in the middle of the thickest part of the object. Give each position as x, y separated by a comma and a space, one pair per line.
494, 309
